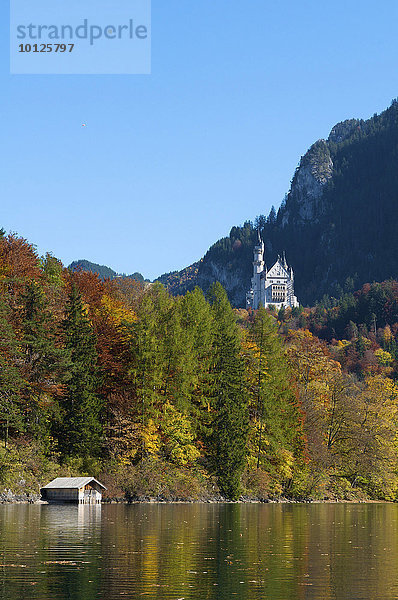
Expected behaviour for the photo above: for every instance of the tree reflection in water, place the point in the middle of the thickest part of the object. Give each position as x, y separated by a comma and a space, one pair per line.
192, 551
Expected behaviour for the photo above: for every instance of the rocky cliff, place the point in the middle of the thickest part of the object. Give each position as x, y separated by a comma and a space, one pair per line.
313, 173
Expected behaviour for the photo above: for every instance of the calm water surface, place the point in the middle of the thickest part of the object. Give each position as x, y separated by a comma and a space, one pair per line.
200, 551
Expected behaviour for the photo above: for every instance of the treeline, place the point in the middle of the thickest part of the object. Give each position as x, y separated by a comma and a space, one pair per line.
180, 397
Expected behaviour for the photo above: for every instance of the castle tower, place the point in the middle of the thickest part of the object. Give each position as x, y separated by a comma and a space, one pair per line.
271, 287
254, 296
258, 270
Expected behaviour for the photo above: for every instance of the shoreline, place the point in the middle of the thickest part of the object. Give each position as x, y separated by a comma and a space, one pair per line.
35, 500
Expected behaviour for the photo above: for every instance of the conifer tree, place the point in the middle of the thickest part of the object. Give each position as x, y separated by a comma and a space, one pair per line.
80, 427
150, 365
44, 361
230, 424
150, 353
179, 358
197, 323
279, 427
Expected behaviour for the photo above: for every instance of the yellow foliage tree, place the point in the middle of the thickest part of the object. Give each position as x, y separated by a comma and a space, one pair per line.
178, 437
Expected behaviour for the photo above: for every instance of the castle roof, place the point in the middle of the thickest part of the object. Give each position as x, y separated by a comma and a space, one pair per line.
279, 269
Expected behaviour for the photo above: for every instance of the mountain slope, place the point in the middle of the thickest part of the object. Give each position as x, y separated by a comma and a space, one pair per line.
337, 224
103, 271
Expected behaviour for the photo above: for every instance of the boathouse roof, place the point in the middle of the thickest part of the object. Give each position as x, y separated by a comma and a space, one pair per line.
71, 483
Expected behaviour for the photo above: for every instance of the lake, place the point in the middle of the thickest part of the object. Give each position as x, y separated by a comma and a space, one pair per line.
199, 551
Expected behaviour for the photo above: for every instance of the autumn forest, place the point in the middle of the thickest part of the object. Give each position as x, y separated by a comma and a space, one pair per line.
188, 398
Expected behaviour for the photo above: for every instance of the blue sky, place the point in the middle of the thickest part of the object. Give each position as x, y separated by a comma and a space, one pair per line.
169, 162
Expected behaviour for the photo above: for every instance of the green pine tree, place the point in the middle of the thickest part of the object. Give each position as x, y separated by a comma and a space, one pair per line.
278, 431
151, 358
230, 405
80, 430
44, 361
197, 323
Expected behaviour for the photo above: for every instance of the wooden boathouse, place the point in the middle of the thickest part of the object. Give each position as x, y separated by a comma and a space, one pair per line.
77, 490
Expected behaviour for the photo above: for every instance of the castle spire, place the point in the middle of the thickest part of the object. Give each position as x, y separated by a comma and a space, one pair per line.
259, 236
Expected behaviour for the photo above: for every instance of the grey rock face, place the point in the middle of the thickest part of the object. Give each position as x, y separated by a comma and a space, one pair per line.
233, 281
314, 171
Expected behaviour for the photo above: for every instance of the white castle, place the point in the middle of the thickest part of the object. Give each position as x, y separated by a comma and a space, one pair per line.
274, 287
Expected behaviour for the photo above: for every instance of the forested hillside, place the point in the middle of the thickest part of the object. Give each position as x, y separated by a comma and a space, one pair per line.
337, 224
102, 271
188, 398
